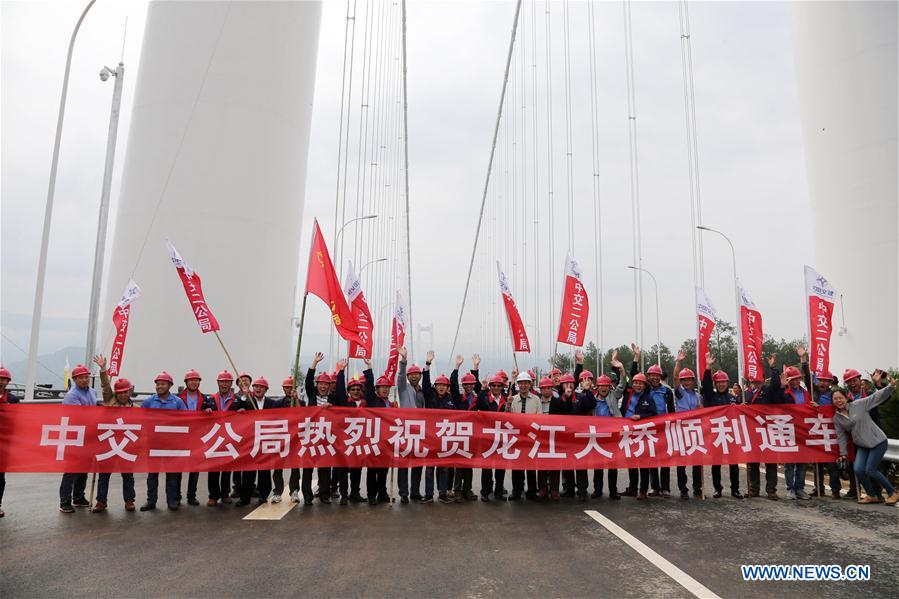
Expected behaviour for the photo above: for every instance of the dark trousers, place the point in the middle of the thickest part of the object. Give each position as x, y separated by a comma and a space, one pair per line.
324, 483
376, 483
450, 478
660, 479
754, 477
218, 484
518, 478
278, 481
264, 484
492, 482
348, 480
833, 471
402, 481
543, 481
734, 478
72, 487
633, 479
581, 482
192, 479
568, 481
462, 480
697, 479
2, 486
127, 486
244, 481
644, 479
171, 487
553, 478
612, 475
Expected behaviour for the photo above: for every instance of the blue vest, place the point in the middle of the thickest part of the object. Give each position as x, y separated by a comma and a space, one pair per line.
687, 401
658, 396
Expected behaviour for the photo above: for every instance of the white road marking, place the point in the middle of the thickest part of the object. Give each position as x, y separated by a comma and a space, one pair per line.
276, 511
678, 575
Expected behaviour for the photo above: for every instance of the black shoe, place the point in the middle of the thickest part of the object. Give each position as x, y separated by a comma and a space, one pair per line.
851, 495
515, 497
325, 500
357, 498
192, 501
307, 501
147, 507
383, 498
595, 494
372, 500
66, 508
717, 495
80, 502
485, 497
531, 495
234, 494
736, 495
416, 497
173, 506
335, 494
343, 501
615, 496
404, 499
500, 496
241, 503
444, 499
426, 499
684, 495
470, 496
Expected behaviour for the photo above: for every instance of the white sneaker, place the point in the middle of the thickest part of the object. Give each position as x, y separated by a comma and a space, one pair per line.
791, 494
276, 498
295, 496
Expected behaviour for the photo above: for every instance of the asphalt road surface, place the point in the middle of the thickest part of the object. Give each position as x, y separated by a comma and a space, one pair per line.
656, 548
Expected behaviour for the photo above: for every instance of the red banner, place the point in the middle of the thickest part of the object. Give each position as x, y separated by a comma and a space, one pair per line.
120, 318
359, 307
820, 296
321, 281
194, 290
575, 306
397, 338
705, 324
751, 343
78, 439
516, 326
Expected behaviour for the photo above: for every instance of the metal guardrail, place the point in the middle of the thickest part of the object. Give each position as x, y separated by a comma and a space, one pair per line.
892, 454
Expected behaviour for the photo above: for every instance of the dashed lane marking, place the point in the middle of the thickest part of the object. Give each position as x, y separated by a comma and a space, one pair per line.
275, 511
676, 574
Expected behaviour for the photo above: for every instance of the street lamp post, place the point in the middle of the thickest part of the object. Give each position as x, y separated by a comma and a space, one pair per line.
100, 251
48, 215
655, 286
733, 255
369, 263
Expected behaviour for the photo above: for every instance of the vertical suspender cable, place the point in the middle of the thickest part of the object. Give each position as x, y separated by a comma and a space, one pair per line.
499, 115
550, 169
406, 187
569, 158
634, 173
597, 210
535, 174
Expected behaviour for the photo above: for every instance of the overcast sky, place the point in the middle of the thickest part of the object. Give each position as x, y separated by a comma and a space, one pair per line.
751, 160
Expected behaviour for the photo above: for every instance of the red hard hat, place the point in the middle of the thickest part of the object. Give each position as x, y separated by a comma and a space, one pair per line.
413, 369
793, 373
80, 370
122, 385
496, 379
261, 382
383, 381
323, 378
554, 372
244, 374
192, 374
164, 376
503, 374
354, 382
604, 380
469, 379
719, 376
825, 376
851, 373
567, 378
441, 380
655, 369
586, 374
531, 372
224, 376
546, 382
4, 374
288, 382
686, 373
639, 377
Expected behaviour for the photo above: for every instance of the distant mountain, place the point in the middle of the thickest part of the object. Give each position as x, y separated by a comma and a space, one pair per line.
50, 369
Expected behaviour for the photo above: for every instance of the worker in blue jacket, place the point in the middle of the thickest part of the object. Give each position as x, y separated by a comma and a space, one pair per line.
163, 400
715, 392
608, 402
640, 405
687, 399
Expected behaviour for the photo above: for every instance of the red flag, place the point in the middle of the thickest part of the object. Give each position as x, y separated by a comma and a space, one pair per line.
194, 290
820, 296
397, 338
516, 326
705, 324
321, 281
359, 307
120, 318
751, 343
575, 306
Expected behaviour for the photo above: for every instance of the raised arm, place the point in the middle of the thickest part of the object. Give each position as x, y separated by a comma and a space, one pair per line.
108, 394
476, 371
401, 382
879, 396
339, 398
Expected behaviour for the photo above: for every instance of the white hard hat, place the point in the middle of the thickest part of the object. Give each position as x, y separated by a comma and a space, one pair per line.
524, 376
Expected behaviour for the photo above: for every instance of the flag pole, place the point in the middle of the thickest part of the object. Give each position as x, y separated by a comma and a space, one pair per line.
231, 361
296, 358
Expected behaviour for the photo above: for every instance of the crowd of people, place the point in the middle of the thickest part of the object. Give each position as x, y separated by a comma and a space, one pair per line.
621, 394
